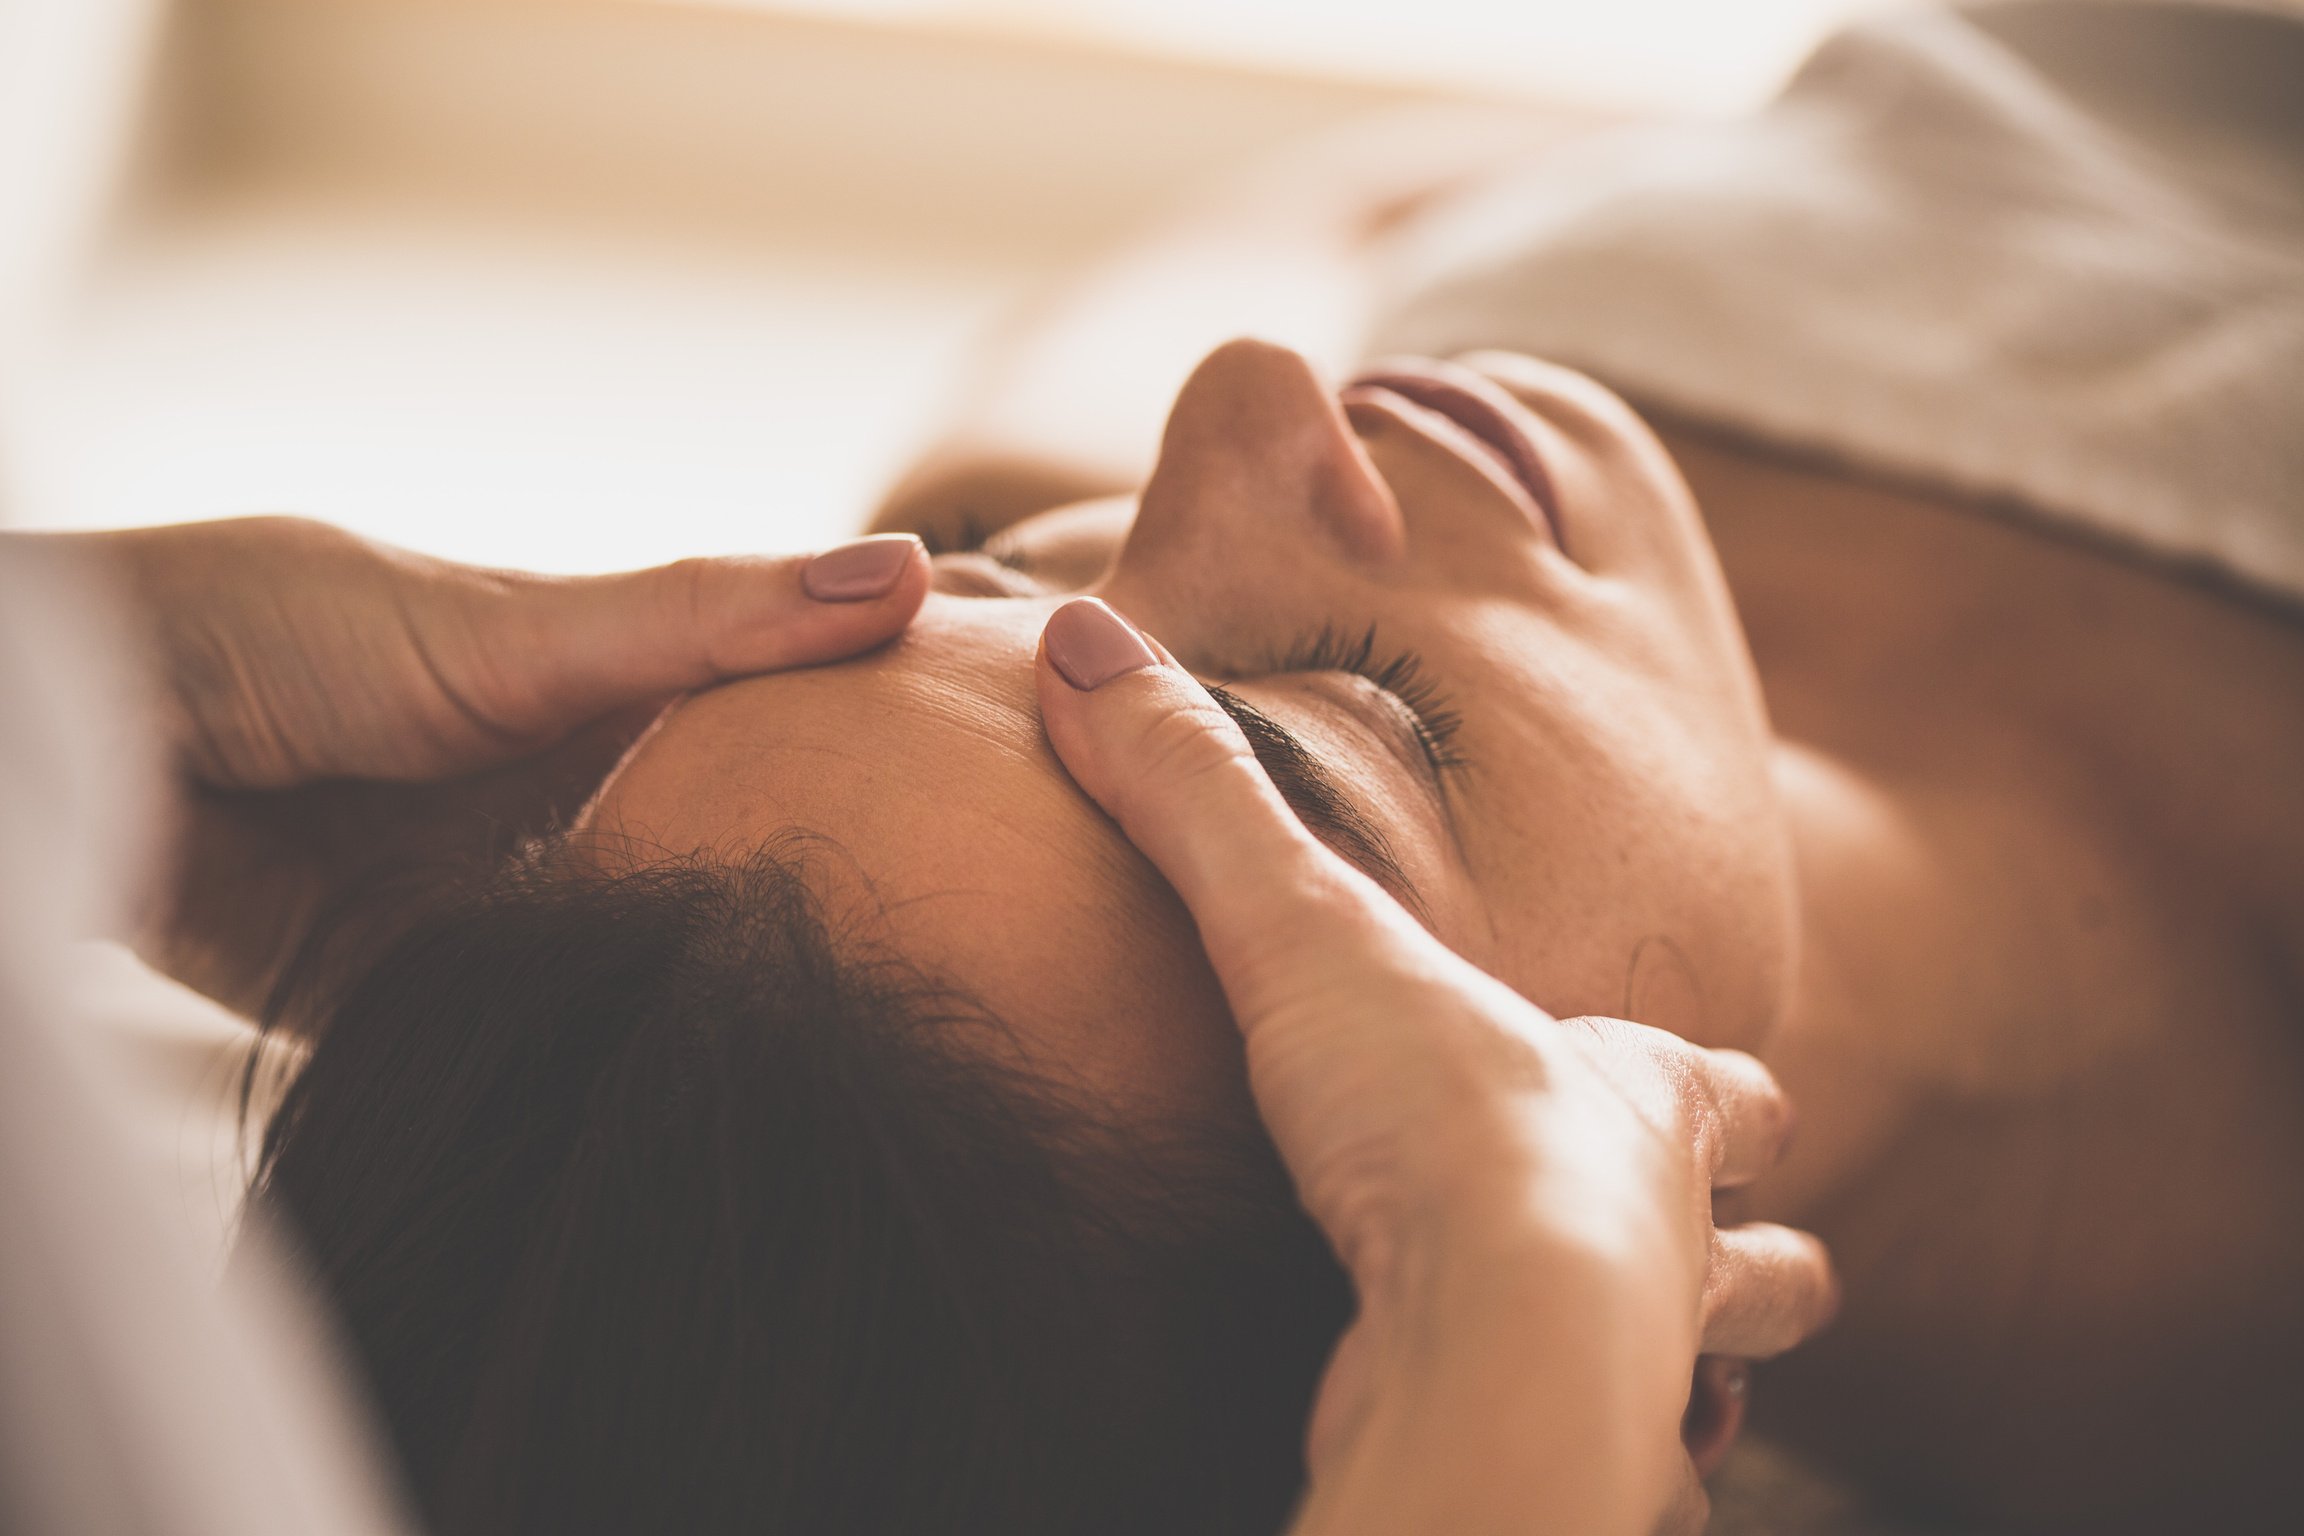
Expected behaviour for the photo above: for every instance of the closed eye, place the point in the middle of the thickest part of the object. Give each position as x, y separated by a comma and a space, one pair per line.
971, 573
973, 537
1399, 674
1320, 799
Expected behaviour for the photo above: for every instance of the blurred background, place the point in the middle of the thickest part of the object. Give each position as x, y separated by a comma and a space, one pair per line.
584, 283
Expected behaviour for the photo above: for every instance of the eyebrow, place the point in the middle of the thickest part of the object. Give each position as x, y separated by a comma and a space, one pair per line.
1319, 798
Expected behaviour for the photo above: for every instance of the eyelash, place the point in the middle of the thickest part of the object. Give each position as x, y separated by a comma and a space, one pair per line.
1398, 673
972, 537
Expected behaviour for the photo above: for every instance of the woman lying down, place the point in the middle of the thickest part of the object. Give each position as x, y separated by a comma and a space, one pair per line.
839, 1125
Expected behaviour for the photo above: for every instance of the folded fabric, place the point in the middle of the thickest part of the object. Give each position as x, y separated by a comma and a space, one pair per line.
2047, 255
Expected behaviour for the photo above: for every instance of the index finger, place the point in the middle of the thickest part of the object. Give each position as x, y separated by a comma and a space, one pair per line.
1149, 744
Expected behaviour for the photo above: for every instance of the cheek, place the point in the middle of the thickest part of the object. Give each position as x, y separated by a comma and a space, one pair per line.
1654, 884
1662, 989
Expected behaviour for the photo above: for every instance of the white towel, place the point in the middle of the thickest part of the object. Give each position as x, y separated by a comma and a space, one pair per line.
2048, 255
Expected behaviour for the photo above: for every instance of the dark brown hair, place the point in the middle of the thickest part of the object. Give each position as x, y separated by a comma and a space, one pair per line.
650, 1202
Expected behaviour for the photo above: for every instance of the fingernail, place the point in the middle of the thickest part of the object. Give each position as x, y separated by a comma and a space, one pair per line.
1091, 645
859, 570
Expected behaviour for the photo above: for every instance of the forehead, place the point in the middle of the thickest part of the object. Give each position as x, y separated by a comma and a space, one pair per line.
948, 830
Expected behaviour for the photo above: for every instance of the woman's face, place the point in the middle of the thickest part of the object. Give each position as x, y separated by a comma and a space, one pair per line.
1469, 616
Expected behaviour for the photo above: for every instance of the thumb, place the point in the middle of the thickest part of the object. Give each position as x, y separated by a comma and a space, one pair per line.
1281, 916
595, 643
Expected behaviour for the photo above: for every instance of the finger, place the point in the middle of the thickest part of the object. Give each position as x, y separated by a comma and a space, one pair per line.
603, 641
1690, 1511
1767, 1288
1274, 906
1752, 1120
1726, 1100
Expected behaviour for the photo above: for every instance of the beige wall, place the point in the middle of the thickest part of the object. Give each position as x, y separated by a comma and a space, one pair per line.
582, 282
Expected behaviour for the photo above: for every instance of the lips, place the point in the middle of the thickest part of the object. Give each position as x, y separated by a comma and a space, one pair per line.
1490, 423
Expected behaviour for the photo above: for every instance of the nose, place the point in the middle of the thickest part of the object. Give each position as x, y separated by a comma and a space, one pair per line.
1257, 449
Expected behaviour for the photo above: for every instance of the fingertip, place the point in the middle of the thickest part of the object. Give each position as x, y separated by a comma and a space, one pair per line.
1755, 1116
1112, 699
1824, 1293
1771, 1289
1088, 644
881, 568
1141, 737
1834, 1294
902, 602
754, 614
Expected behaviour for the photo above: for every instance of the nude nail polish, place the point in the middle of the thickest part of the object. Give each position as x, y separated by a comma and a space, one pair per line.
1091, 645
859, 570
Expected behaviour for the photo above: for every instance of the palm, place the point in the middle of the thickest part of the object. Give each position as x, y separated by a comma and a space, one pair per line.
259, 869
352, 721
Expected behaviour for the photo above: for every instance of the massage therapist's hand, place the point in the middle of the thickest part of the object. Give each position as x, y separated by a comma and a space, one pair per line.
1524, 1205
333, 704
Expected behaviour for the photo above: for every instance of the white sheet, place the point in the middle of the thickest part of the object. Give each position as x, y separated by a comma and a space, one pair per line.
2049, 255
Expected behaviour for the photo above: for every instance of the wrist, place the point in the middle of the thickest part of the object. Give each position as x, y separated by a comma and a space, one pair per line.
1513, 1391
1531, 1320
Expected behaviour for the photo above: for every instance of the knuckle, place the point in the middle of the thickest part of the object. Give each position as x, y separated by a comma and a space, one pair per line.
1308, 943
1622, 1053
690, 597
1186, 756
1188, 741
733, 614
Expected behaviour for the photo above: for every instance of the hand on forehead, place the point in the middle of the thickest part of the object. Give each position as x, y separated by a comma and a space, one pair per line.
938, 824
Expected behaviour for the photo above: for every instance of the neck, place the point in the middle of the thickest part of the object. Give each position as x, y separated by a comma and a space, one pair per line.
1860, 885
1993, 792
1946, 958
